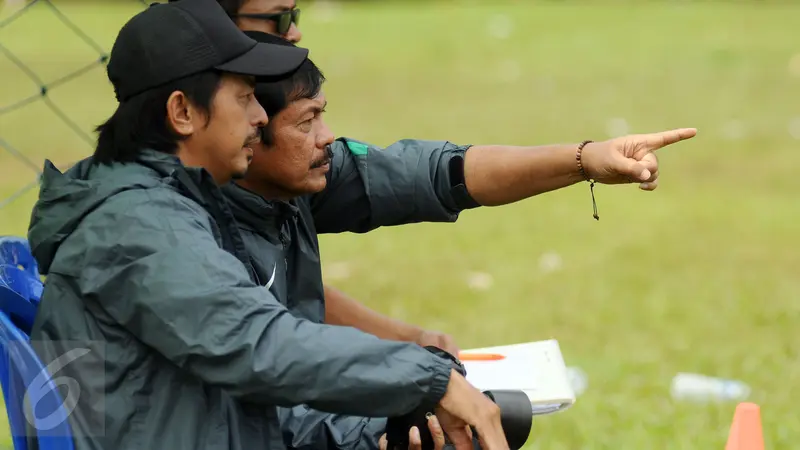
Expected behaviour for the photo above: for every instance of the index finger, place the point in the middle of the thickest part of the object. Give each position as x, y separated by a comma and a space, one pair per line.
437, 433
414, 439
665, 138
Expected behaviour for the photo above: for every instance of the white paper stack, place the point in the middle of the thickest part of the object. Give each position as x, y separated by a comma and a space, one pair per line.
536, 368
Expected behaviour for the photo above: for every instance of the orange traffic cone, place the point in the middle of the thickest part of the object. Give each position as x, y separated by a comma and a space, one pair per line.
746, 433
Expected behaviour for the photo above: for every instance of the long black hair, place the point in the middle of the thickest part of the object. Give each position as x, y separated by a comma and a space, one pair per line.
141, 121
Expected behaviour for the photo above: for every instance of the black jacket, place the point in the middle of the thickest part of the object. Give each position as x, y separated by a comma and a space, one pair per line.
368, 187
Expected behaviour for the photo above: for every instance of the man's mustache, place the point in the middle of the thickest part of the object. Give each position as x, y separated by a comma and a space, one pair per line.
253, 139
326, 160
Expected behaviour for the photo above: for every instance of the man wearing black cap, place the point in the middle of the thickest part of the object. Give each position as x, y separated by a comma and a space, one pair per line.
150, 313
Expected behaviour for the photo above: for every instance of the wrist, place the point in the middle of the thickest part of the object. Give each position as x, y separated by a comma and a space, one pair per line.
398, 330
568, 167
584, 171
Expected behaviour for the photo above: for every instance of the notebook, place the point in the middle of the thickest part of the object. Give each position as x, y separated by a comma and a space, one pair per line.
536, 368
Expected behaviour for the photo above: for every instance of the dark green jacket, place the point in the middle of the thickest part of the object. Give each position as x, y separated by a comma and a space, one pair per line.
368, 187
145, 267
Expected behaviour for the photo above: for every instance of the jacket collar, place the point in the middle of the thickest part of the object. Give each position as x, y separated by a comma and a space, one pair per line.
196, 182
256, 213
163, 163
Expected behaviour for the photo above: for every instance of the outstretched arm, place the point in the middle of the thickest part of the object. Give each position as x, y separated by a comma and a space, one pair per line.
433, 181
498, 175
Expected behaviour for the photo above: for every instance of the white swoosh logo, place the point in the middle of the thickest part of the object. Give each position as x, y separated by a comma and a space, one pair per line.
272, 277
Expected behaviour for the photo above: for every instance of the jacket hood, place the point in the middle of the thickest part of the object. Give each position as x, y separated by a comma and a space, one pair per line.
65, 199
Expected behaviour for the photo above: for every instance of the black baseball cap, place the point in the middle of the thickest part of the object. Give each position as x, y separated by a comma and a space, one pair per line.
170, 41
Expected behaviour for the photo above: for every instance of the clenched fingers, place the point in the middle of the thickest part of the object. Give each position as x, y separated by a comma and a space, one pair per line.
649, 186
650, 162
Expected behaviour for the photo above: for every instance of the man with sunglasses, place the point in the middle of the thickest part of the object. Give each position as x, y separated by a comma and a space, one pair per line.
278, 17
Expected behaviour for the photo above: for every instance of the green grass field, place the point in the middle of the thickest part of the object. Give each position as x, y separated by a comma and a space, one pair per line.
700, 275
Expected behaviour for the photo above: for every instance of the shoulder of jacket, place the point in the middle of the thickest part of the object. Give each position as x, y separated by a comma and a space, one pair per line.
355, 146
162, 199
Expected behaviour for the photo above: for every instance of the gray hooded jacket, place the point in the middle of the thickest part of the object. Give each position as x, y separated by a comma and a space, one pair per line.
146, 268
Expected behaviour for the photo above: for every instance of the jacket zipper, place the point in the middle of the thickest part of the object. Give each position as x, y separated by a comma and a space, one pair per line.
285, 245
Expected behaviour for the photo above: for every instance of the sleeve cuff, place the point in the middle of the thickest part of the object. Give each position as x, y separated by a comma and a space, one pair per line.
458, 187
442, 370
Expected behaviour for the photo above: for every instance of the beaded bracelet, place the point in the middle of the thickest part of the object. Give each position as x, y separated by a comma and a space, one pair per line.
586, 177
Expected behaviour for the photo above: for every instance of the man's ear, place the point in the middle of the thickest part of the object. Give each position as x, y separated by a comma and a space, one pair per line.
179, 114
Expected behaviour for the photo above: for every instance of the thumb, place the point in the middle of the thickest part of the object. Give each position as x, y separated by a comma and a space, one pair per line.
632, 168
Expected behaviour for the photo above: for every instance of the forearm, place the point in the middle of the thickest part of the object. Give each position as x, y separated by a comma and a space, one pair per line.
498, 175
277, 359
345, 311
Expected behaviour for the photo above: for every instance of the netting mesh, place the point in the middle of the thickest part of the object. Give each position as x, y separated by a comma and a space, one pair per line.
44, 88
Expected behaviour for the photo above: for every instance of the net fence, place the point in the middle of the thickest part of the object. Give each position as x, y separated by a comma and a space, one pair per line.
44, 87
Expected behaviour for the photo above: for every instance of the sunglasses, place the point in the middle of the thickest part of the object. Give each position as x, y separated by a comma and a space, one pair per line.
283, 20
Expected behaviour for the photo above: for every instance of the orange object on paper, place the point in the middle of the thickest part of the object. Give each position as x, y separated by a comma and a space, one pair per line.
480, 356
746, 432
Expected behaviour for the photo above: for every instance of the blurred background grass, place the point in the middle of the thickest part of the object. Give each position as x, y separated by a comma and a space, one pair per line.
700, 275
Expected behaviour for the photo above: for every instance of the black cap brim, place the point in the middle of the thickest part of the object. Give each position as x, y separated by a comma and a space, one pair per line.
266, 60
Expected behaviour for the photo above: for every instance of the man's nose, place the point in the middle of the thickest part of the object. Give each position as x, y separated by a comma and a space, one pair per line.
325, 136
259, 116
293, 35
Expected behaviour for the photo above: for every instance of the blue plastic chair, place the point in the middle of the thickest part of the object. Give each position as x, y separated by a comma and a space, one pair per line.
19, 277
15, 251
22, 372
16, 297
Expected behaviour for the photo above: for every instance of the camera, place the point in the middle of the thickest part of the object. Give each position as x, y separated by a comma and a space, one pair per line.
516, 416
